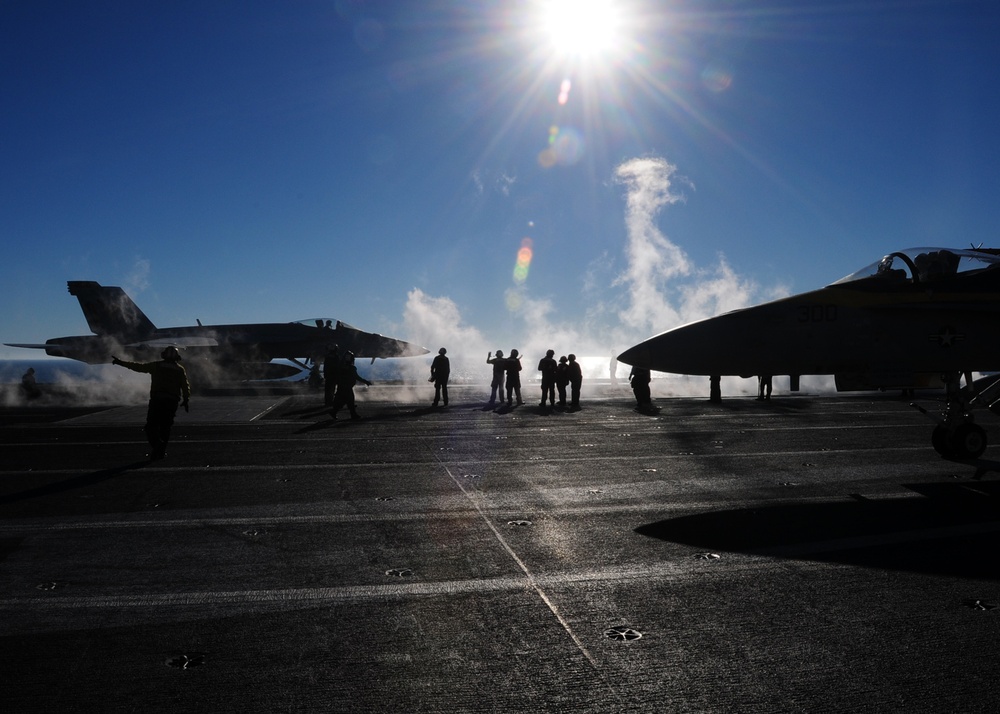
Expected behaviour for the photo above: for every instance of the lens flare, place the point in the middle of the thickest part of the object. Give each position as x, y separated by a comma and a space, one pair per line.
523, 262
565, 148
564, 91
514, 300
717, 77
568, 146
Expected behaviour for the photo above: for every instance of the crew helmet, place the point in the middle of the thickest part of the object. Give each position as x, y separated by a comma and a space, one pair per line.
171, 354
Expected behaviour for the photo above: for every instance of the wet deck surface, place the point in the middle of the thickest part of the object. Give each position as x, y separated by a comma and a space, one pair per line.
806, 554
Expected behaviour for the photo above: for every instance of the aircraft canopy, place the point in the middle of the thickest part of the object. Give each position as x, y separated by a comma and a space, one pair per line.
323, 322
925, 264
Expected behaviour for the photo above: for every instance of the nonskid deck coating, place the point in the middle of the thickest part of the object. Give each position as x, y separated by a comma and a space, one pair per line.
808, 554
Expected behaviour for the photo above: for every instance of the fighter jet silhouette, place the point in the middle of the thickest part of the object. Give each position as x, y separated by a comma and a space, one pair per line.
915, 318
231, 352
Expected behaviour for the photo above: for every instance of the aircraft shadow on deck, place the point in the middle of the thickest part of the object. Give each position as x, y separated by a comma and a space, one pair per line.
954, 530
344, 417
74, 482
302, 413
982, 466
752, 405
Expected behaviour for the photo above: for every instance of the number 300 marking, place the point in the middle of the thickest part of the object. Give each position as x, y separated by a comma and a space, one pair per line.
817, 313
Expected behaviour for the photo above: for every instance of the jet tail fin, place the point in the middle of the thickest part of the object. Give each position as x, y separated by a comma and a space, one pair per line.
110, 311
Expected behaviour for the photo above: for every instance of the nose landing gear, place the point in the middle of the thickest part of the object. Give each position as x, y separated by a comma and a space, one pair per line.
956, 435
967, 440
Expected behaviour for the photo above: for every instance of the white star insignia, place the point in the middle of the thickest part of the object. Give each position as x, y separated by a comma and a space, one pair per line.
946, 337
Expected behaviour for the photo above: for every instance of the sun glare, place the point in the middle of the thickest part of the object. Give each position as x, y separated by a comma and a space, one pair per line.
580, 28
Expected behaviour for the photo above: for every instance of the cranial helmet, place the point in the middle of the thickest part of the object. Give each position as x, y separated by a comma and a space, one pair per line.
171, 354
442, 351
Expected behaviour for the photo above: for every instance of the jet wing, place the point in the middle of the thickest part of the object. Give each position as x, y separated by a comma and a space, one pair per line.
162, 342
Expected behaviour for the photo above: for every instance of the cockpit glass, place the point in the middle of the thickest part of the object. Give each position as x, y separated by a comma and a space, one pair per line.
924, 265
325, 323
318, 322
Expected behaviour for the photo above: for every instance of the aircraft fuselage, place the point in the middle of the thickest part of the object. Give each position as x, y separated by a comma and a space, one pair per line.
238, 351
267, 341
884, 330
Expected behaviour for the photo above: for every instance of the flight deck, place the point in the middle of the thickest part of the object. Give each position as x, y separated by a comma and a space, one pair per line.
810, 553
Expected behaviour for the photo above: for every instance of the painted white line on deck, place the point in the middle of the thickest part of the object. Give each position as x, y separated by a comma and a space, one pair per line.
362, 593
532, 580
655, 509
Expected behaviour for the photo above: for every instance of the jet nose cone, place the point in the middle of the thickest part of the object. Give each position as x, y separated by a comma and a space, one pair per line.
678, 351
409, 349
637, 356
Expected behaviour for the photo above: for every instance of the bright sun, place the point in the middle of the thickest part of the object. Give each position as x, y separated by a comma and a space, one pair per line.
581, 28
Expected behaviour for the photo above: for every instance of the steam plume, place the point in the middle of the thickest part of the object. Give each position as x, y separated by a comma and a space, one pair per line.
659, 288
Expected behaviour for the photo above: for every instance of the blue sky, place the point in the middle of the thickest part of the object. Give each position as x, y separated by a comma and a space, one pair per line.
384, 162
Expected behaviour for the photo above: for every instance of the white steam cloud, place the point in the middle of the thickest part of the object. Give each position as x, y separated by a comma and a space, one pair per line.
137, 280
438, 322
103, 385
664, 288
653, 261
659, 288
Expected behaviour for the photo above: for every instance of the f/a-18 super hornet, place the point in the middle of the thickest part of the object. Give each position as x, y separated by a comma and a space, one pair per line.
915, 318
214, 352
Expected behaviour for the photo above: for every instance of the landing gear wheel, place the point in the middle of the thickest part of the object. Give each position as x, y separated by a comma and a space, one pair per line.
969, 441
941, 442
